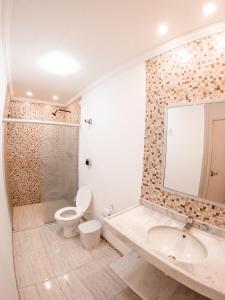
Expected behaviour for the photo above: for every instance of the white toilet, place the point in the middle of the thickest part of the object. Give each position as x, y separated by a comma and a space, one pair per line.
69, 217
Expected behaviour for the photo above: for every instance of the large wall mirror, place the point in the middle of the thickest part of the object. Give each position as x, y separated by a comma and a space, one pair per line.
195, 150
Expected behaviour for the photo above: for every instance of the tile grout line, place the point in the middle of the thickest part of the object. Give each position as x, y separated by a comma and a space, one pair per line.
31, 228
82, 281
114, 297
56, 276
70, 271
39, 282
45, 251
60, 287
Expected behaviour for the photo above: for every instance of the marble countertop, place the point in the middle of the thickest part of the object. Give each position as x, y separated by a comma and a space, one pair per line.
206, 277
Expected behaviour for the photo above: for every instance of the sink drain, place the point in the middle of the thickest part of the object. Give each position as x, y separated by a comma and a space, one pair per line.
173, 257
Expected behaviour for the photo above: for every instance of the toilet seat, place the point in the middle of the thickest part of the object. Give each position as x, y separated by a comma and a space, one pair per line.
69, 217
68, 213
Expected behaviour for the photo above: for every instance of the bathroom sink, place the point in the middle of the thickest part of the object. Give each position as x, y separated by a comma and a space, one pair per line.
177, 244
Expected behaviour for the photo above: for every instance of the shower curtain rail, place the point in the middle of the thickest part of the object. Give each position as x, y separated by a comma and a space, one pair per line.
41, 122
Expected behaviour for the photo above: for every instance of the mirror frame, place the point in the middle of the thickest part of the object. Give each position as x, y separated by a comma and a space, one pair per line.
178, 193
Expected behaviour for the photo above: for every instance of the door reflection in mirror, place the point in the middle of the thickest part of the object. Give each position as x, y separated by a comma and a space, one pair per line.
195, 150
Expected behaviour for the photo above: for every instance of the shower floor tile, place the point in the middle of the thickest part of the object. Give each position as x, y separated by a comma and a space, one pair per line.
28, 216
36, 215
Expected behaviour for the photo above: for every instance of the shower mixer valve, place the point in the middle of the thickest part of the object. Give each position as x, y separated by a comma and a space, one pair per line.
88, 162
88, 121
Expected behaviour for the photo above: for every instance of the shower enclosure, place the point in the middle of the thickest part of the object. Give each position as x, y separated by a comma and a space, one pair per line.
58, 168
41, 162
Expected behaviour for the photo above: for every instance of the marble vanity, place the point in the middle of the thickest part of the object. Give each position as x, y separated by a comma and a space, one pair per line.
203, 273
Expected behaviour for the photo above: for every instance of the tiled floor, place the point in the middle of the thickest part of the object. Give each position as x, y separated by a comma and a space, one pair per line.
50, 267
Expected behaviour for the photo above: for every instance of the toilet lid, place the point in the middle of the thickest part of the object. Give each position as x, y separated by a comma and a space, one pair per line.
83, 198
90, 226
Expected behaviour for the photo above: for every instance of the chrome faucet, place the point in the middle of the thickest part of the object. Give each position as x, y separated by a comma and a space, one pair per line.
189, 223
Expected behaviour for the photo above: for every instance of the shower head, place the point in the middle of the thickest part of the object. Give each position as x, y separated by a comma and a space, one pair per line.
60, 109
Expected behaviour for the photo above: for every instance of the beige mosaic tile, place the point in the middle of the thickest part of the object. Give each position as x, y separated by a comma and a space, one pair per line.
170, 80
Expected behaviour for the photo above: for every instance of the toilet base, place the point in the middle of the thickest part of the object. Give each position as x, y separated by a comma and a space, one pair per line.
70, 231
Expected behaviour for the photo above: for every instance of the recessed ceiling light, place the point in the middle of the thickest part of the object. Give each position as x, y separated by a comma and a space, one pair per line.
55, 98
162, 29
59, 63
209, 8
29, 93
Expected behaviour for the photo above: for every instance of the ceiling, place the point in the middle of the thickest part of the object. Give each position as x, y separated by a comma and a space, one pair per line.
100, 34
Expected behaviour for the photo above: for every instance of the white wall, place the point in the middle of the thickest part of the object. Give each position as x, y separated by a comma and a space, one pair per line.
184, 153
115, 141
8, 289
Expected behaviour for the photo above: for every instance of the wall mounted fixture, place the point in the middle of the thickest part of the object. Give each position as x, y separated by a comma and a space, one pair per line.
88, 121
88, 162
108, 211
60, 109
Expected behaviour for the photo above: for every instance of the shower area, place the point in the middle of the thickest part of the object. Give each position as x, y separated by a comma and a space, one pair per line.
41, 160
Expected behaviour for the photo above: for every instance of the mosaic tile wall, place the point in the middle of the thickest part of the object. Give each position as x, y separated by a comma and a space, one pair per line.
28, 146
194, 72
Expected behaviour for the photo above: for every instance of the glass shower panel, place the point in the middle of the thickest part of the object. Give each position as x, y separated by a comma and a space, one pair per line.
58, 168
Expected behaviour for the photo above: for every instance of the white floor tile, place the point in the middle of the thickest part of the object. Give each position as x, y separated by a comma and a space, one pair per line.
31, 262
64, 254
73, 288
48, 290
101, 282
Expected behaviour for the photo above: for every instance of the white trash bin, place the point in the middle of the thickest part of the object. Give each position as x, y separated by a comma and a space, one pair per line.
90, 233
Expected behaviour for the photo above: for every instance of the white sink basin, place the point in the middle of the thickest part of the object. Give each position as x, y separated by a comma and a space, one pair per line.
177, 244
